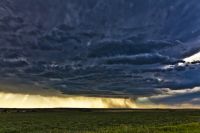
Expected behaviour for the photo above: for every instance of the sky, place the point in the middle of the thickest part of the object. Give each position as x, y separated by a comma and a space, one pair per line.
100, 54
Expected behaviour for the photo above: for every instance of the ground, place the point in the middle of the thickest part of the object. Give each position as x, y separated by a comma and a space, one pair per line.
99, 121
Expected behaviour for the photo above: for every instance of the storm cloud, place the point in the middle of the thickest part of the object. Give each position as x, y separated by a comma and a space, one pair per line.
122, 48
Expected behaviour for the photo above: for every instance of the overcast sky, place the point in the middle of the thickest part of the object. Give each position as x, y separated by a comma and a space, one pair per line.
146, 50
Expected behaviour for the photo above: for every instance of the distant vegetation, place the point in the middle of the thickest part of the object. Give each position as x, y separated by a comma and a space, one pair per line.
100, 121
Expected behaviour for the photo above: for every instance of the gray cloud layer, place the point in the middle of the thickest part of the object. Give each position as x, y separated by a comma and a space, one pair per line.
118, 48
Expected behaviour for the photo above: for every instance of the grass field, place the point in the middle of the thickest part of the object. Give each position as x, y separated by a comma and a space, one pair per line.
100, 121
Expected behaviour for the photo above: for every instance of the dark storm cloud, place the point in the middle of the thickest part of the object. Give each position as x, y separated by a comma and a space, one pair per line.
141, 59
181, 96
106, 47
126, 47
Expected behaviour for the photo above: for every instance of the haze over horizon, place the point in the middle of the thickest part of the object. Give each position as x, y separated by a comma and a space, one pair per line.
105, 53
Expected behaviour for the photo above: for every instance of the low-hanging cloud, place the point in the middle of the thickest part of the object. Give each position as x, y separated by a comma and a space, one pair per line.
31, 97
182, 98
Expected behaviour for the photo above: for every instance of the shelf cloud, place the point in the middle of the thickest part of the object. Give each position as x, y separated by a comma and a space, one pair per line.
103, 53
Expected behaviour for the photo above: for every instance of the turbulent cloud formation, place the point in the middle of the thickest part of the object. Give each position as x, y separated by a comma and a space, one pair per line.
14, 97
35, 97
14, 100
105, 48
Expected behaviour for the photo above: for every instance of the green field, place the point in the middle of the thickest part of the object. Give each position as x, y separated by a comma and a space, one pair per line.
100, 121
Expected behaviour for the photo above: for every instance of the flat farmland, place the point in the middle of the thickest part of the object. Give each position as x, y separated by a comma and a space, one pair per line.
99, 121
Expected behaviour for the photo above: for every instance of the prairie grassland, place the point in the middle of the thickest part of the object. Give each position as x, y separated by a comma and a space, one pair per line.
94, 121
